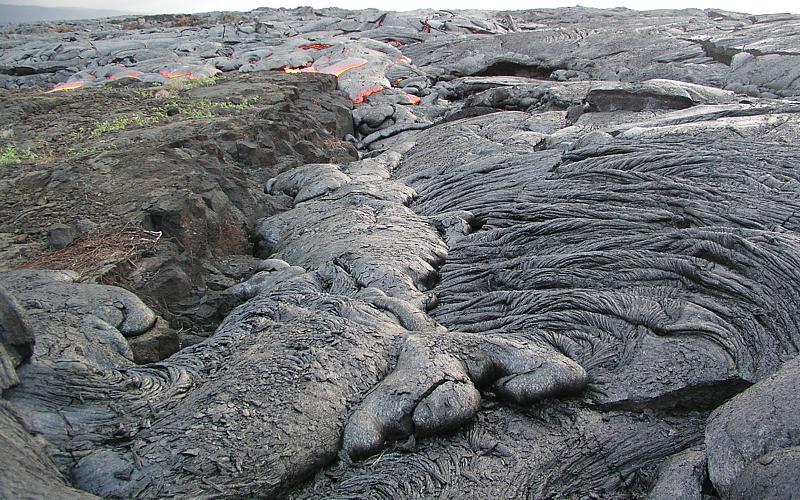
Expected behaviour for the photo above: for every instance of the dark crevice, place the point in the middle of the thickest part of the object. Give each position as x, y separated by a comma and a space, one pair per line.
431, 279
476, 225
470, 112
708, 488
698, 397
725, 55
508, 68
722, 55
719, 54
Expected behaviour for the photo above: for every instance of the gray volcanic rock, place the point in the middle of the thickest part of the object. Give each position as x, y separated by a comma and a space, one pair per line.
653, 94
99, 316
61, 235
188, 175
26, 463
678, 45
16, 339
681, 476
752, 440
667, 236
773, 475
158, 343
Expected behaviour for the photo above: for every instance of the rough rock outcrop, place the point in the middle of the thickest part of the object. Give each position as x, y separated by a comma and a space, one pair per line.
753, 439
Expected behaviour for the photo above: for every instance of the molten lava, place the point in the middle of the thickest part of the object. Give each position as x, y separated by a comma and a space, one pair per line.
329, 68
340, 67
68, 86
363, 95
129, 74
175, 74
299, 69
315, 46
413, 99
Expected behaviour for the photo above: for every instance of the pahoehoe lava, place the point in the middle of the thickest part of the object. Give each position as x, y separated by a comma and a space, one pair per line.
362, 254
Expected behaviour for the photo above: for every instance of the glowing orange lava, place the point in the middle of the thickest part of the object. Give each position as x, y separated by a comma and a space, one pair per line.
299, 69
413, 99
363, 95
68, 86
175, 74
131, 74
339, 67
336, 68
315, 46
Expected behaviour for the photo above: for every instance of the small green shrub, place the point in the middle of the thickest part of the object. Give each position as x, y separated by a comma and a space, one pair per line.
105, 127
193, 83
11, 155
144, 93
203, 109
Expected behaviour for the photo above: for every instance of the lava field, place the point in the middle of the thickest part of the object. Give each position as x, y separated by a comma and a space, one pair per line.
299, 253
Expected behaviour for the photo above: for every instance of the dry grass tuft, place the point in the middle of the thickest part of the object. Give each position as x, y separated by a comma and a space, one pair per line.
188, 20
99, 252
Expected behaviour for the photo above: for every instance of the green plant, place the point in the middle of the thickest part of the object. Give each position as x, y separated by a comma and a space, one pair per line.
136, 120
11, 155
181, 84
143, 93
203, 109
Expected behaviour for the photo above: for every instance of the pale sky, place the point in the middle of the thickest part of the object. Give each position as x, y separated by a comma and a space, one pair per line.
187, 6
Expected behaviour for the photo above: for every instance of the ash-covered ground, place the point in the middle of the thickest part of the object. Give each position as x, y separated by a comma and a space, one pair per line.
364, 254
